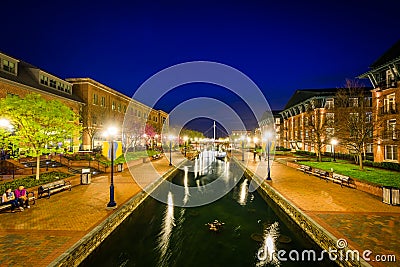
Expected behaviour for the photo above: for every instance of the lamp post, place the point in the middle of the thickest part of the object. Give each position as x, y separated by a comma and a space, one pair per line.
333, 143
185, 139
112, 131
255, 140
170, 149
155, 142
242, 139
268, 139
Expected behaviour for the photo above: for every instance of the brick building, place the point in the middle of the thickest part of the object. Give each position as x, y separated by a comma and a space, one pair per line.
106, 106
309, 118
98, 105
384, 77
20, 78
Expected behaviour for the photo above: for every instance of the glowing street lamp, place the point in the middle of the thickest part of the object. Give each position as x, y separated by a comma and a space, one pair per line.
185, 139
242, 139
170, 137
255, 140
4, 123
334, 142
111, 132
268, 136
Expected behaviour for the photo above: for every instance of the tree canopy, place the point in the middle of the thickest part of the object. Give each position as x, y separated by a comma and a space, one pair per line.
40, 126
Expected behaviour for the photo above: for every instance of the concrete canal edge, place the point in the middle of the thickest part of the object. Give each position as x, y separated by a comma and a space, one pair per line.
316, 232
80, 250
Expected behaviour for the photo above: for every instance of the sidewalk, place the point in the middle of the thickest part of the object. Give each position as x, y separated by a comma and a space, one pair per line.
37, 236
362, 219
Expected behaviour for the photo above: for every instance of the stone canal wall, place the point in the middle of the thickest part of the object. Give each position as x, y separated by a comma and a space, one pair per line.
77, 253
320, 236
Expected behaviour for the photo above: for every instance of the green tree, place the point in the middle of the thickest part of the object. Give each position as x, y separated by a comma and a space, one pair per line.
39, 125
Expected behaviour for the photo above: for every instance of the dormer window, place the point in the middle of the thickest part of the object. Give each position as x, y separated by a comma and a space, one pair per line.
53, 83
9, 66
329, 103
44, 80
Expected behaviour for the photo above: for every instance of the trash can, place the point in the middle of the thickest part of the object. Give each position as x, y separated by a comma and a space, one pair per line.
395, 196
86, 176
120, 167
387, 195
391, 195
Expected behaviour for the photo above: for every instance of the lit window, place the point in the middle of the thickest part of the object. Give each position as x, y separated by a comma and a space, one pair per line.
53, 83
44, 80
113, 105
9, 66
391, 152
353, 102
95, 99
103, 101
329, 103
119, 107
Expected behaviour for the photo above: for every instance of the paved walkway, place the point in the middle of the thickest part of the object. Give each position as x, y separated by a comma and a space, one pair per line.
37, 236
362, 219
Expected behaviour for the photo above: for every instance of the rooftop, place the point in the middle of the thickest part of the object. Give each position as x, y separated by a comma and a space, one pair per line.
390, 55
26, 76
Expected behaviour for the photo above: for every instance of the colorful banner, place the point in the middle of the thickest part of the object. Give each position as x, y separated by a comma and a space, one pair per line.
107, 149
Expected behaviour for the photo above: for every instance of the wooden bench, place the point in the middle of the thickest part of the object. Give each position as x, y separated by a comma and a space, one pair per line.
31, 198
156, 156
321, 173
5, 207
341, 179
53, 187
305, 169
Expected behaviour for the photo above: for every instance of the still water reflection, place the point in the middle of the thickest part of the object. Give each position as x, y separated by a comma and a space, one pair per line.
239, 229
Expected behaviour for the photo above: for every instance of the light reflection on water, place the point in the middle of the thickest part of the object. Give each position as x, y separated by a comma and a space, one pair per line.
243, 193
166, 231
158, 234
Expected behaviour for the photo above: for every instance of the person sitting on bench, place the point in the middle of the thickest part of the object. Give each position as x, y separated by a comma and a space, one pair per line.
9, 198
22, 196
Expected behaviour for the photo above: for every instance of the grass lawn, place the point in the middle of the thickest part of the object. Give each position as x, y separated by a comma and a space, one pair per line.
369, 174
140, 154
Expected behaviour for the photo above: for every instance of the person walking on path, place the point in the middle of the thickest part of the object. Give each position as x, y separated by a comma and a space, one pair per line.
9, 198
22, 196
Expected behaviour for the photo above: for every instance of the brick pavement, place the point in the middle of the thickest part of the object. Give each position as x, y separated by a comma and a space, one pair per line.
360, 218
38, 235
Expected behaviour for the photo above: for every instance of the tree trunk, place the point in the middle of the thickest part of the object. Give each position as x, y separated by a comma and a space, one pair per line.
360, 160
37, 167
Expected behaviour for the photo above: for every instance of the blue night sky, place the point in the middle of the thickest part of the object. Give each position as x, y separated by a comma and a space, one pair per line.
280, 46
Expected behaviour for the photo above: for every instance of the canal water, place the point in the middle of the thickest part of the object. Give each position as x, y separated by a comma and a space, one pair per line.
239, 229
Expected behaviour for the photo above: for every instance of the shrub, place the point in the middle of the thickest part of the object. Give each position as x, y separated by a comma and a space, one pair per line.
30, 181
304, 153
384, 165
